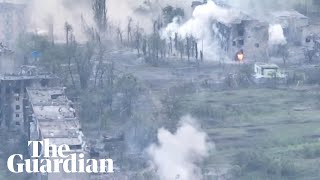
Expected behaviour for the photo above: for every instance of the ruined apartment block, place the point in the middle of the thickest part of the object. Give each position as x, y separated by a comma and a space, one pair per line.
13, 94
12, 22
51, 115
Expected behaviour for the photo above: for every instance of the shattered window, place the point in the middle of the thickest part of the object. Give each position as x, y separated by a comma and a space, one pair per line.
241, 32
241, 42
234, 43
308, 40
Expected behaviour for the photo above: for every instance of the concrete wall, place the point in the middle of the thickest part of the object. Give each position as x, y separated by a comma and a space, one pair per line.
250, 36
12, 22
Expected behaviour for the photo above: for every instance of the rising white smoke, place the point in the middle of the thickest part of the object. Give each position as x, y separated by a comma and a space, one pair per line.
143, 12
176, 155
263, 8
41, 13
201, 26
276, 36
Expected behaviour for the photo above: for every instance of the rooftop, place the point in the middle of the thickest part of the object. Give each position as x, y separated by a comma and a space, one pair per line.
27, 73
60, 129
53, 112
55, 117
288, 13
266, 65
12, 6
47, 96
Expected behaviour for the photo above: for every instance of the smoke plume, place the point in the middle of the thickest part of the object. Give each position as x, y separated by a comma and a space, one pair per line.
262, 8
201, 25
176, 155
276, 36
56, 12
143, 12
41, 13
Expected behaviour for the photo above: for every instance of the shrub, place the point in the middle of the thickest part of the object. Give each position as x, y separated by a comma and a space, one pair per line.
258, 161
311, 152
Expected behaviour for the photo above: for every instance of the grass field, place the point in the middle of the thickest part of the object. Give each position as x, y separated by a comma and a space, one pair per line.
266, 126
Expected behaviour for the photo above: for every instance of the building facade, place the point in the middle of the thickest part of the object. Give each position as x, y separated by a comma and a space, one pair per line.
246, 35
13, 94
12, 22
52, 116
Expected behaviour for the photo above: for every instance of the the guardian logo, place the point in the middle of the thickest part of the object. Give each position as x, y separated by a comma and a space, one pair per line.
55, 159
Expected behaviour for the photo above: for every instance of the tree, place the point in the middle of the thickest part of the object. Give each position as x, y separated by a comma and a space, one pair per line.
284, 52
138, 37
171, 104
129, 29
84, 64
119, 34
188, 47
169, 13
70, 49
68, 30
127, 85
100, 14
181, 48
100, 68
309, 54
144, 46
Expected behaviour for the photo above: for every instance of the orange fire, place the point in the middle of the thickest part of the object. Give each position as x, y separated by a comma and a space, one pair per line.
240, 56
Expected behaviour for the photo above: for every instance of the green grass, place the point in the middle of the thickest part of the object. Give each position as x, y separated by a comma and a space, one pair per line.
283, 123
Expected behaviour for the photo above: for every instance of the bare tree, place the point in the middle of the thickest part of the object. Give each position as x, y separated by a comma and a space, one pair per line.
144, 46
196, 49
128, 87
100, 14
309, 54
129, 29
100, 68
84, 64
138, 36
181, 48
188, 47
119, 34
68, 30
70, 49
284, 52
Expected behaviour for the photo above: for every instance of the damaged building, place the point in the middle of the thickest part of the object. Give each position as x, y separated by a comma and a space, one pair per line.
51, 115
293, 24
12, 22
244, 34
13, 94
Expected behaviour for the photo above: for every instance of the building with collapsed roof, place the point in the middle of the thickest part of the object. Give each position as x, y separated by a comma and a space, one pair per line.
12, 21
244, 34
51, 116
13, 94
293, 24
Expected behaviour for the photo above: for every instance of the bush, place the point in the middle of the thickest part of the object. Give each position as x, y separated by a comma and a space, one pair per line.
311, 152
257, 161
208, 111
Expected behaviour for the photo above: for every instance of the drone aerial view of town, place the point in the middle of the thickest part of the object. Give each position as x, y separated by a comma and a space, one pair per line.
159, 90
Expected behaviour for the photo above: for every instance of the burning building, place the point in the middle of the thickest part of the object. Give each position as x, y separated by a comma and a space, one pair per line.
246, 35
